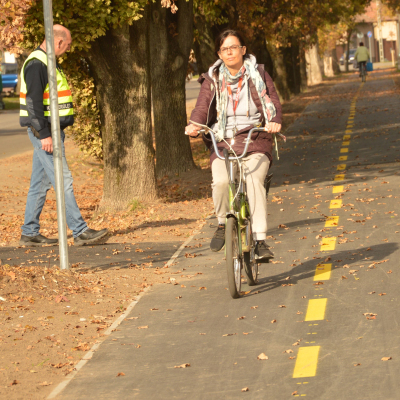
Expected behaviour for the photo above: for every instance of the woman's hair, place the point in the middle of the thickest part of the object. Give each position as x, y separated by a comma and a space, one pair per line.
361, 44
223, 35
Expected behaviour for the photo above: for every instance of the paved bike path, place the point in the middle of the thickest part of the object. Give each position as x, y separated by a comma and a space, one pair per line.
334, 355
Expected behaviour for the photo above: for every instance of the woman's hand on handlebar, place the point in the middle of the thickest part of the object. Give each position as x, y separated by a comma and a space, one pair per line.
273, 127
192, 130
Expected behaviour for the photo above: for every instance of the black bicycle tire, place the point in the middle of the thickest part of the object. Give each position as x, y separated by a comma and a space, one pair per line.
230, 234
251, 275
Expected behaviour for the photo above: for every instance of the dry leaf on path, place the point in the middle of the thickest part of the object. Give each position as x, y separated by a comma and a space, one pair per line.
273, 321
143, 327
288, 351
386, 358
182, 366
262, 356
120, 374
245, 389
241, 317
229, 334
14, 382
45, 383
282, 306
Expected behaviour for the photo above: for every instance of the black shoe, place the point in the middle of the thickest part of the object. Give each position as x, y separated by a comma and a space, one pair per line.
89, 236
262, 250
34, 241
218, 240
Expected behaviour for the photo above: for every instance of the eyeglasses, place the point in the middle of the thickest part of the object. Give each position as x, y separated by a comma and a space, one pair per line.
233, 48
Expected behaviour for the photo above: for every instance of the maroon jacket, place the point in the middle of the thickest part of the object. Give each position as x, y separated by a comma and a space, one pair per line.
205, 113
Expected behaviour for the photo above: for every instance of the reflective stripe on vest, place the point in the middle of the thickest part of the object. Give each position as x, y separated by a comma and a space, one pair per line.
65, 105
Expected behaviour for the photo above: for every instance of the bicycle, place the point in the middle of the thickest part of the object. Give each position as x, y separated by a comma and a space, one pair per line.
363, 72
239, 243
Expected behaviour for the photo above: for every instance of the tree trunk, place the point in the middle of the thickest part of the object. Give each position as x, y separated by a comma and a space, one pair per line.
347, 54
171, 37
335, 62
280, 78
204, 46
119, 62
258, 47
291, 57
303, 70
314, 73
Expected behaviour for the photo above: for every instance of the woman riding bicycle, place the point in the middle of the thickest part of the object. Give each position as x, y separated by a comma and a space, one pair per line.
236, 95
362, 56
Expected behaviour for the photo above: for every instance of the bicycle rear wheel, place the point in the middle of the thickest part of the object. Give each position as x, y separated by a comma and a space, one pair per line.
233, 261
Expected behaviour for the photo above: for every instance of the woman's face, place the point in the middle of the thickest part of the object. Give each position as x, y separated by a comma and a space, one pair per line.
232, 57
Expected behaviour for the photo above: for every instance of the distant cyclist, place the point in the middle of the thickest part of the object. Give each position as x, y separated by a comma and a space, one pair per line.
362, 56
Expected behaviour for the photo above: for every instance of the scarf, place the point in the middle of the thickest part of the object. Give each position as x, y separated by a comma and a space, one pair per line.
250, 72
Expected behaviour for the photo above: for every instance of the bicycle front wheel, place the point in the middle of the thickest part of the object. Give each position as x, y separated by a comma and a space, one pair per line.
233, 260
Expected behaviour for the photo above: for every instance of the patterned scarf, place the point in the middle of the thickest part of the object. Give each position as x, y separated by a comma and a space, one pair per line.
226, 78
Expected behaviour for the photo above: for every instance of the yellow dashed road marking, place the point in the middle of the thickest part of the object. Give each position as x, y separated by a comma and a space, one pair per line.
322, 273
346, 137
344, 150
328, 243
332, 221
339, 177
337, 189
343, 158
306, 362
341, 167
346, 143
337, 203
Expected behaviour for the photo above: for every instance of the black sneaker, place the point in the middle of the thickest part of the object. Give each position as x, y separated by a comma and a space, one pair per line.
89, 236
262, 250
218, 240
38, 240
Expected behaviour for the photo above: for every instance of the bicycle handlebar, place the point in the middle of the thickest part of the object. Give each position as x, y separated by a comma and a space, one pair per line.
206, 130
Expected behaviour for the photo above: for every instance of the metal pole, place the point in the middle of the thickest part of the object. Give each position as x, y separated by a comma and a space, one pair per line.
56, 133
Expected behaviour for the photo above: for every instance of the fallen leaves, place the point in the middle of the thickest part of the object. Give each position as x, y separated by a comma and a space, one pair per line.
182, 366
386, 358
59, 299
370, 315
143, 327
245, 389
262, 356
120, 374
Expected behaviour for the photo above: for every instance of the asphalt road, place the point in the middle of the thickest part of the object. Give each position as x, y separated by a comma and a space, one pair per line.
326, 312
13, 138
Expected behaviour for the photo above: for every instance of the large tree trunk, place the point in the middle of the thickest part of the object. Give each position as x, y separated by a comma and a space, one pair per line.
314, 73
347, 53
258, 47
171, 40
119, 62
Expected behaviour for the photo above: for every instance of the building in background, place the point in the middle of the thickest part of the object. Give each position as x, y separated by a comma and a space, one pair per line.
367, 31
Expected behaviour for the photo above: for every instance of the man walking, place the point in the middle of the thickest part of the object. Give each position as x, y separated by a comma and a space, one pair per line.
35, 115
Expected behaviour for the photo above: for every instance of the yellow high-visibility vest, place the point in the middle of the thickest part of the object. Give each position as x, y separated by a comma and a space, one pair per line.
65, 106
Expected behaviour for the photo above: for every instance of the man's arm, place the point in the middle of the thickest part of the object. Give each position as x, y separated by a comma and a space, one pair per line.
36, 82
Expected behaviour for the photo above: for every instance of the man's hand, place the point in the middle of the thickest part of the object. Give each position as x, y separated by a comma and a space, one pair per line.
273, 127
47, 144
192, 130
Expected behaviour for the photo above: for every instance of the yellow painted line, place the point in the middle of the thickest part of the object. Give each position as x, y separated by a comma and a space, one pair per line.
337, 203
351, 117
322, 273
346, 137
328, 243
332, 221
341, 167
344, 150
349, 125
343, 158
339, 177
306, 362
346, 143
337, 189
349, 131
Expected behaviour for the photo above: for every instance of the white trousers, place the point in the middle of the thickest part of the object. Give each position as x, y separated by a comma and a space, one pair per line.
255, 167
